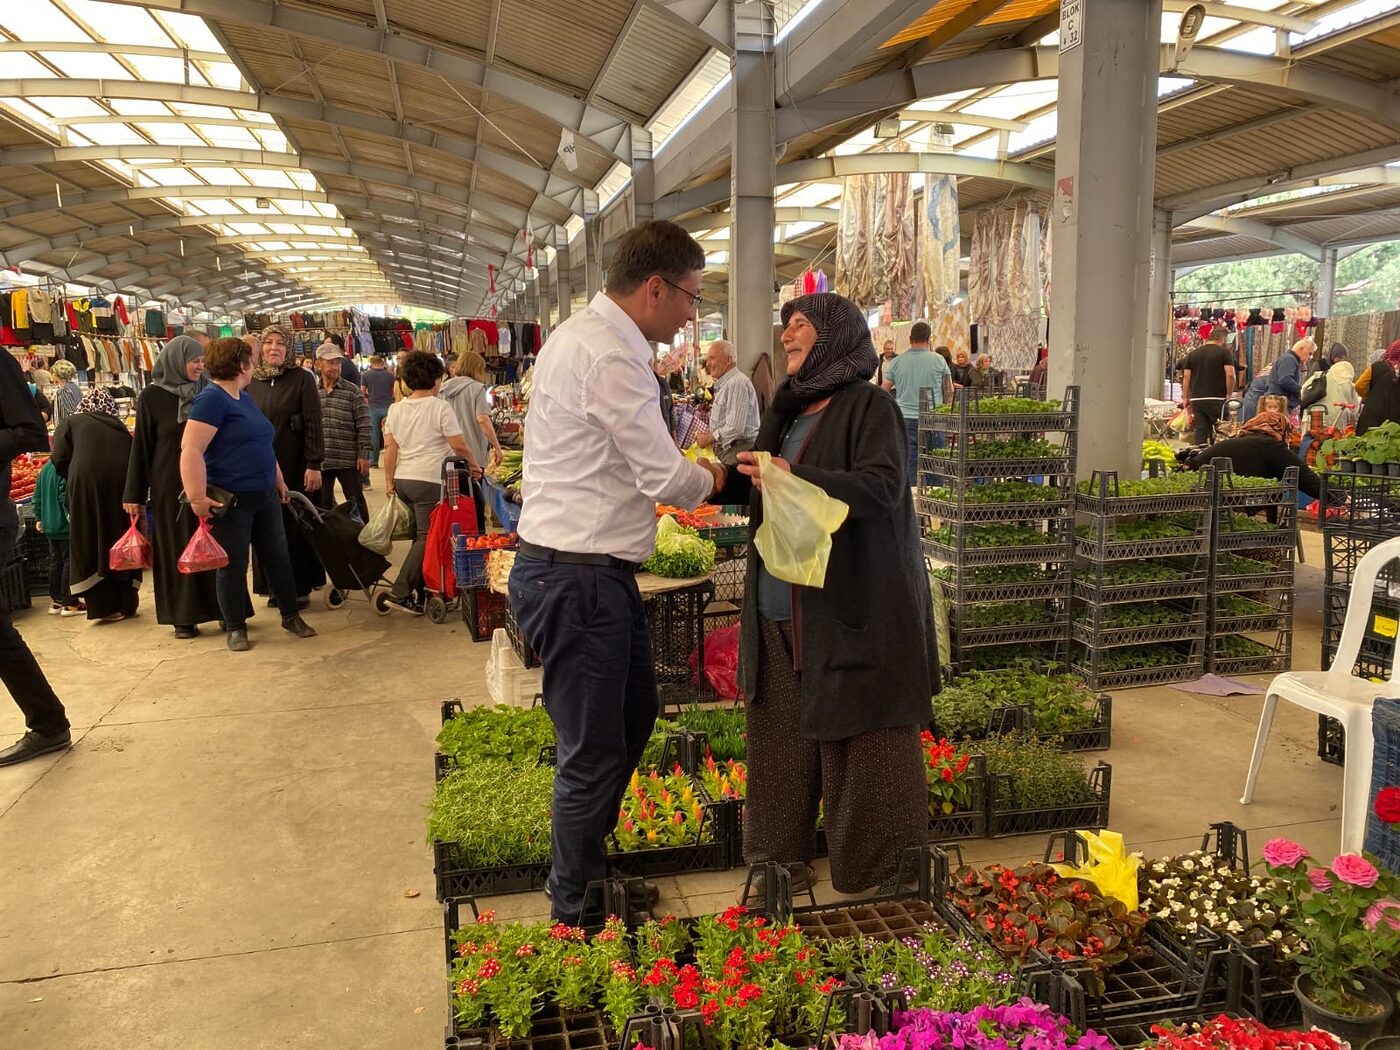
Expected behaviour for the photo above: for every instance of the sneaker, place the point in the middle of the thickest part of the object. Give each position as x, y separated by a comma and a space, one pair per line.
74, 610
403, 605
55, 608
114, 618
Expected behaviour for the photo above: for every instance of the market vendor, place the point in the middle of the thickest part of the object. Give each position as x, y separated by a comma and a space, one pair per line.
734, 415
598, 460
1260, 450
839, 676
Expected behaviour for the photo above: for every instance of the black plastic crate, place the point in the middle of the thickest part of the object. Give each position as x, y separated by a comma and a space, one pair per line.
1331, 741
1187, 664
483, 610
1018, 718
551, 1029
14, 588
972, 415
1372, 504
968, 512
523, 649
731, 564
880, 921
1103, 500
1002, 822
1277, 656
38, 559
677, 620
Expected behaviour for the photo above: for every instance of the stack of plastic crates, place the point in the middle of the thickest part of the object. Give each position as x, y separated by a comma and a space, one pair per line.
1251, 572
1371, 516
996, 480
1140, 582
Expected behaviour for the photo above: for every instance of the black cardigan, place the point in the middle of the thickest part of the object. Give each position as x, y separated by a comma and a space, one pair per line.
1261, 456
865, 644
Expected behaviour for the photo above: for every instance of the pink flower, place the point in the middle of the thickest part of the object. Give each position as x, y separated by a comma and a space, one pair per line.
1383, 910
1319, 880
1355, 869
1283, 853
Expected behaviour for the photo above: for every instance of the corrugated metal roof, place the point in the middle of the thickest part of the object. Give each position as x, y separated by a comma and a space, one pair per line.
648, 64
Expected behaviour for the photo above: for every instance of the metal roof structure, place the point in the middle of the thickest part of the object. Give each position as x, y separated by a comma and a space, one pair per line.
293, 154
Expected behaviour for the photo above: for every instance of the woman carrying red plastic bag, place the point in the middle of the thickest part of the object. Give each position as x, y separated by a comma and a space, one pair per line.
202, 553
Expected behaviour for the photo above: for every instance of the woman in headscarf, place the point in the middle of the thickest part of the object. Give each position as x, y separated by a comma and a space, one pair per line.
183, 601
287, 396
91, 448
466, 392
67, 394
1383, 392
840, 676
1341, 396
1260, 450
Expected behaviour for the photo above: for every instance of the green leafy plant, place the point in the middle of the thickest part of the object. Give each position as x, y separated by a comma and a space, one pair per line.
504, 734
1005, 614
930, 968
1014, 448
1001, 406
1234, 605
1236, 646
725, 729
1200, 890
1128, 572
1038, 775
496, 813
1140, 657
1144, 614
680, 552
1059, 703
999, 492
1131, 530
1234, 565
1248, 523
978, 536
991, 575
1160, 486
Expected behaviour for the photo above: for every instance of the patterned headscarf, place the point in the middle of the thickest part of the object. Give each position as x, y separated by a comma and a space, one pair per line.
169, 372
63, 370
1271, 422
265, 370
1392, 356
98, 402
843, 353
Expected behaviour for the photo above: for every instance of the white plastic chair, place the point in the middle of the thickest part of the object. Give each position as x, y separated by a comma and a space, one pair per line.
1341, 695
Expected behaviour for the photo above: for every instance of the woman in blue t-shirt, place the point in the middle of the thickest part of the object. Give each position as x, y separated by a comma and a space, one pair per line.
228, 443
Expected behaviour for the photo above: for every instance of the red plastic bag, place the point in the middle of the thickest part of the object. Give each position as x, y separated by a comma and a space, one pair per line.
203, 552
132, 552
722, 662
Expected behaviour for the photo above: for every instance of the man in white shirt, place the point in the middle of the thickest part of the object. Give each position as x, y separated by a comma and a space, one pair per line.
734, 414
598, 458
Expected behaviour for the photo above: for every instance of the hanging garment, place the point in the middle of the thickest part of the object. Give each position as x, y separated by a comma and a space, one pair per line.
876, 243
942, 249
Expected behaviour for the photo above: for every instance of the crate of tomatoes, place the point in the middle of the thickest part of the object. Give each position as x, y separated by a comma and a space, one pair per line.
469, 555
24, 470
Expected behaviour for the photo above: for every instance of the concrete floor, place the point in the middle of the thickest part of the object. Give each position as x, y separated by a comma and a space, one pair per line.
232, 853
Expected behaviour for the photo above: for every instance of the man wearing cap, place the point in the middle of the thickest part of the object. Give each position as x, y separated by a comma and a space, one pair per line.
345, 429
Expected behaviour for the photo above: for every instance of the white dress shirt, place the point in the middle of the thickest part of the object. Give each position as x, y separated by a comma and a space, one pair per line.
734, 414
598, 457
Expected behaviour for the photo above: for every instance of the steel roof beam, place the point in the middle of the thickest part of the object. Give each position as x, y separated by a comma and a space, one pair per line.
1259, 231
603, 124
1209, 198
718, 220
819, 169
558, 186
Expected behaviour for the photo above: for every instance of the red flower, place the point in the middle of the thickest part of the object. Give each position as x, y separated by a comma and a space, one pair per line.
947, 774
1387, 805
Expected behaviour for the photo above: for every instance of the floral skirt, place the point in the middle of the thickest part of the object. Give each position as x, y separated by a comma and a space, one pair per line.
870, 788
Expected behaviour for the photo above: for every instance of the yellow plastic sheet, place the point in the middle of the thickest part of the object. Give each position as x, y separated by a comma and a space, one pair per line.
1109, 867
799, 519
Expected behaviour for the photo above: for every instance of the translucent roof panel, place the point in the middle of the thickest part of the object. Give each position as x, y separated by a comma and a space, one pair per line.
135, 44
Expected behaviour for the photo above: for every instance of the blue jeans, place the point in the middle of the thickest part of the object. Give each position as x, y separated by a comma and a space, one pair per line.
255, 518
589, 626
376, 433
911, 433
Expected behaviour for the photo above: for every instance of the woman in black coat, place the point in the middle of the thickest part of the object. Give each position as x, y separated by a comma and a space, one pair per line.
839, 677
287, 396
183, 601
91, 449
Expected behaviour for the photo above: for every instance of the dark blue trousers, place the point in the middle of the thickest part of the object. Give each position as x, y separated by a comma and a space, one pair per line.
255, 520
590, 629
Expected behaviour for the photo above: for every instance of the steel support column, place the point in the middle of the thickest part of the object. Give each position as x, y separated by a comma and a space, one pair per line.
563, 268
643, 177
1159, 322
752, 177
592, 246
1102, 211
1327, 286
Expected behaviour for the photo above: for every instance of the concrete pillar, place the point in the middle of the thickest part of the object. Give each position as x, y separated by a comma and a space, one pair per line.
592, 245
643, 177
1102, 211
1159, 325
547, 291
1327, 286
563, 270
753, 173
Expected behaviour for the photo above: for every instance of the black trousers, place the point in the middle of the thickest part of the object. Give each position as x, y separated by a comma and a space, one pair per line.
1207, 411
590, 629
351, 488
23, 677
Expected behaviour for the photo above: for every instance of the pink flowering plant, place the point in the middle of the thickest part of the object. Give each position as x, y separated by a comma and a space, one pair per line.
1023, 1025
1346, 914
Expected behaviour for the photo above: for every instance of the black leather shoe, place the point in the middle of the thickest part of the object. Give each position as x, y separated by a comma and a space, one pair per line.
238, 641
186, 630
32, 745
298, 627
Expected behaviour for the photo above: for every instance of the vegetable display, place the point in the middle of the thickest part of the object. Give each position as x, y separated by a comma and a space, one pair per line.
680, 553
1004, 406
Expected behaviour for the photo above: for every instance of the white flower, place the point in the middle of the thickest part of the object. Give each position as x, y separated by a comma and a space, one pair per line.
1194, 895
1216, 885
1188, 865
1234, 927
1275, 935
1165, 913
1191, 927
1231, 900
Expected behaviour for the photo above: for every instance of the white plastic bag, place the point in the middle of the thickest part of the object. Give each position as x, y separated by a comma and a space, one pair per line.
385, 525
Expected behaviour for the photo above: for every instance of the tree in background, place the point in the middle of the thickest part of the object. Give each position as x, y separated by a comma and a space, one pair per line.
1367, 281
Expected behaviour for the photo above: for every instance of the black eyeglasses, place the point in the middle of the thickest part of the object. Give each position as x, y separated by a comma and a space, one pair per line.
695, 297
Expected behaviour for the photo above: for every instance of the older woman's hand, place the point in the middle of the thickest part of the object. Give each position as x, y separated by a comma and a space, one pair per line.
749, 468
311, 481
134, 508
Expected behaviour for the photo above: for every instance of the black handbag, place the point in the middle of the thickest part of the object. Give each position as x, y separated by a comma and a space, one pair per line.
218, 495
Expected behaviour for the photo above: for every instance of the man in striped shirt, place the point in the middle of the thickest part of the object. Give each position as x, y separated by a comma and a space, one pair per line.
734, 414
345, 431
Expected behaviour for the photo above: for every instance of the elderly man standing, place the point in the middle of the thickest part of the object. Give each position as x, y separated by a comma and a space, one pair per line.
598, 460
734, 414
345, 428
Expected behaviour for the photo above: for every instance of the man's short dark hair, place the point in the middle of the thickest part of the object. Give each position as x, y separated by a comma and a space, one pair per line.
653, 249
337, 339
224, 358
420, 370
920, 332
1217, 334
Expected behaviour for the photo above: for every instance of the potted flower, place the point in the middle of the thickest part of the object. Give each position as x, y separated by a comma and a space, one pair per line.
1340, 912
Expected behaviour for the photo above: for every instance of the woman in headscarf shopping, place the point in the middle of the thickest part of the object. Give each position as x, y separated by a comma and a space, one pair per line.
1382, 390
66, 395
1260, 450
840, 676
183, 601
91, 448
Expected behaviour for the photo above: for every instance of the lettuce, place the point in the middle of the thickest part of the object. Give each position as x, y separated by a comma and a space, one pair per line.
680, 552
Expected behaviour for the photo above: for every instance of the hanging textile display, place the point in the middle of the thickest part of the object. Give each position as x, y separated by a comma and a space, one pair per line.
875, 241
1005, 277
942, 250
1013, 343
951, 327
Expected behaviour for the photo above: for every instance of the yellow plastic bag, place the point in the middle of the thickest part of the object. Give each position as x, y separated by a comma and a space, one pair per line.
695, 453
799, 519
1109, 867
